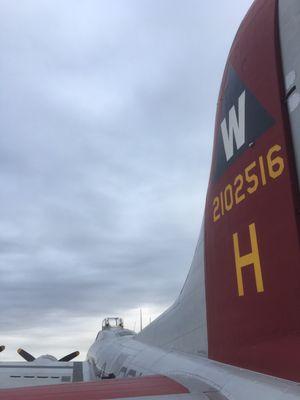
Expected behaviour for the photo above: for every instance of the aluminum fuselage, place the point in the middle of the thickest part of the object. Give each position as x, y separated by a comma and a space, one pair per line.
126, 356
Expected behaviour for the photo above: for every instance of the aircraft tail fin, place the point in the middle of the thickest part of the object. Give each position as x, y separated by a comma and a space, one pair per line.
246, 270
183, 326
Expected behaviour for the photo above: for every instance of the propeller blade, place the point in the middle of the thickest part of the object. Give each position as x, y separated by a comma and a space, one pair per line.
25, 355
2, 348
70, 356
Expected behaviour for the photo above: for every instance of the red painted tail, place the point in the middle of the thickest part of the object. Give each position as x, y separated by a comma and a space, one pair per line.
240, 304
252, 258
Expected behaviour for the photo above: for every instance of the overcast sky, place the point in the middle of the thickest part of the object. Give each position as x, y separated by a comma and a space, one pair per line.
106, 126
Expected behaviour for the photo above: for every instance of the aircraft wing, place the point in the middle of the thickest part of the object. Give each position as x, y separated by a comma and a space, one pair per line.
20, 374
155, 387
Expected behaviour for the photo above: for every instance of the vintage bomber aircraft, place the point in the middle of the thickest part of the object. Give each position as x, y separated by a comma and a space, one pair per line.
234, 331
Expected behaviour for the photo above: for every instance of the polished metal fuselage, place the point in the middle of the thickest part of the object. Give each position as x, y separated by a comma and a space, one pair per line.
128, 357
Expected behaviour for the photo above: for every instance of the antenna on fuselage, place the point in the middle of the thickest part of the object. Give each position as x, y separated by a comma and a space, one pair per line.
141, 319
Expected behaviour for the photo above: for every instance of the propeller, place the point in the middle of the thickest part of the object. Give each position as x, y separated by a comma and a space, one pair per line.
2, 348
29, 357
70, 356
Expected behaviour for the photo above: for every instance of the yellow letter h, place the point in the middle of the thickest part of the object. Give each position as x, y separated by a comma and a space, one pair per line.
247, 260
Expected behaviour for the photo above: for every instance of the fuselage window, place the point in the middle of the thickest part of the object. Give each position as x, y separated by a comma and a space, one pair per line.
123, 371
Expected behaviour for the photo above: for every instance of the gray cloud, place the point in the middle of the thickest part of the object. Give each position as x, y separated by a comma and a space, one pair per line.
106, 121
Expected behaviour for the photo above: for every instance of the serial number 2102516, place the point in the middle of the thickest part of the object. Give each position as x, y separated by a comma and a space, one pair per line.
255, 175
